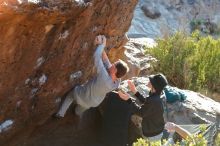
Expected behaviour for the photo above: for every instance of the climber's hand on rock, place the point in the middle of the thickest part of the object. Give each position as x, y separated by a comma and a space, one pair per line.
98, 40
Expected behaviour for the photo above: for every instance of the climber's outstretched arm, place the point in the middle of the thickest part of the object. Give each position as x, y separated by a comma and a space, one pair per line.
171, 127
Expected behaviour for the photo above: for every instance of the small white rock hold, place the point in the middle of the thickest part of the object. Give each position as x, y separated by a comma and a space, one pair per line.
18, 104
79, 1
42, 79
40, 61
19, 1
6, 125
64, 35
75, 75
48, 28
85, 46
58, 100
34, 1
33, 91
94, 29
4, 3
27, 81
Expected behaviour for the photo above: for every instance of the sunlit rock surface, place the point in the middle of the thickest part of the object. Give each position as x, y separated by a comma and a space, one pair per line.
134, 54
158, 18
46, 47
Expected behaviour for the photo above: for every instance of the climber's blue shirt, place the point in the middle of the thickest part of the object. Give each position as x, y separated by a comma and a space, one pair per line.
93, 92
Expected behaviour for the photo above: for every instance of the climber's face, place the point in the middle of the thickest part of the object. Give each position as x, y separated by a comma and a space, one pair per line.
149, 85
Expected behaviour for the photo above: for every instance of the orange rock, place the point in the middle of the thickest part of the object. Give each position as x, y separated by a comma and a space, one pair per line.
57, 32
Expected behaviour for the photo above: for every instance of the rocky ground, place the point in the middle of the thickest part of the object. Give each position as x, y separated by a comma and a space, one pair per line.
66, 131
160, 18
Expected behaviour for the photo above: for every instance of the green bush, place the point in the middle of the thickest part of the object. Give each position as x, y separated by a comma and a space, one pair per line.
191, 62
205, 25
217, 140
143, 142
193, 140
196, 140
196, 24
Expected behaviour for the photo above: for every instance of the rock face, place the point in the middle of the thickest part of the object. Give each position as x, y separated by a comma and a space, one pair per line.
46, 48
173, 15
133, 53
196, 109
151, 13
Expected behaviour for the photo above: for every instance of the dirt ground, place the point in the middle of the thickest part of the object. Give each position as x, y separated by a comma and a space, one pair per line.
67, 132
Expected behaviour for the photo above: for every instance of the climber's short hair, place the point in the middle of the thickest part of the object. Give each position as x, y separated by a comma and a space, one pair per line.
122, 68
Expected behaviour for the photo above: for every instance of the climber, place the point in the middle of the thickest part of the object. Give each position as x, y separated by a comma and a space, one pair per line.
151, 109
93, 92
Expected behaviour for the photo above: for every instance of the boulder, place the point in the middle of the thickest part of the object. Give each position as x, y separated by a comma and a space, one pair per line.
175, 15
196, 109
152, 13
46, 48
191, 2
134, 54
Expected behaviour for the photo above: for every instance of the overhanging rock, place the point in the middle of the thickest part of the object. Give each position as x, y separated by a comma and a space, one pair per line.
46, 48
